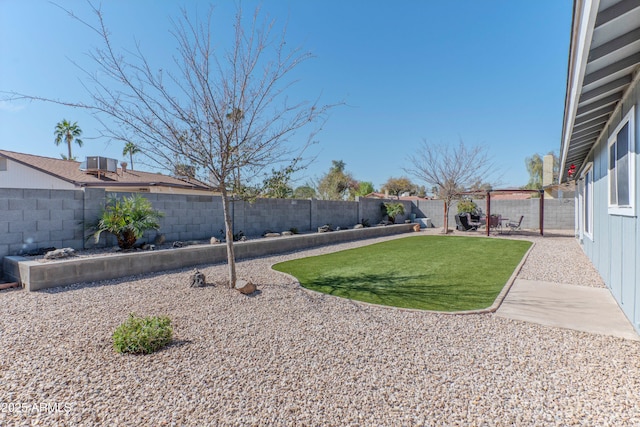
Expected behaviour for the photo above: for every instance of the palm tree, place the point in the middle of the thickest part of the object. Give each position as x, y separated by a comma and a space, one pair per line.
130, 149
68, 132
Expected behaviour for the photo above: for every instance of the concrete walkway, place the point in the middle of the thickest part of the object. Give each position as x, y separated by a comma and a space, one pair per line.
580, 308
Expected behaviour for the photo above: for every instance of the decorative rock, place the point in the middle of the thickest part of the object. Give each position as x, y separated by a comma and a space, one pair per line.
338, 228
245, 287
160, 239
60, 253
178, 244
358, 226
197, 280
287, 233
324, 228
148, 247
272, 235
214, 240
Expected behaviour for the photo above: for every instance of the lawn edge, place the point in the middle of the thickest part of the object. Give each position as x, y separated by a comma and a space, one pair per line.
492, 309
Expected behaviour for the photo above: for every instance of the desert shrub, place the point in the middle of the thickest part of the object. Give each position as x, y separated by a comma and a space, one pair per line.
294, 230
142, 334
127, 218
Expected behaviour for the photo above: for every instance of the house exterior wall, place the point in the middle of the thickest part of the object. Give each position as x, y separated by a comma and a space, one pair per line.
613, 246
20, 176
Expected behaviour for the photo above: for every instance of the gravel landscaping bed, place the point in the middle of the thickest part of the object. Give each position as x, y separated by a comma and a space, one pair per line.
285, 356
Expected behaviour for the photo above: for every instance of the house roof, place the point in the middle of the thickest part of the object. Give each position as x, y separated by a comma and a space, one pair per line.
604, 59
69, 171
375, 195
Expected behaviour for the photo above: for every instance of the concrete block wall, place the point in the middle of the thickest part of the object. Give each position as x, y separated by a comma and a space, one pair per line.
558, 213
32, 219
337, 213
371, 209
276, 215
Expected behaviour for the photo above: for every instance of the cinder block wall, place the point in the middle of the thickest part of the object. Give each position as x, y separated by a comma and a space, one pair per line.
558, 213
371, 210
276, 215
32, 219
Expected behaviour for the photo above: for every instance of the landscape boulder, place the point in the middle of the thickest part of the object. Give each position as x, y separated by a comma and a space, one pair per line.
287, 233
60, 253
197, 280
272, 235
245, 287
355, 227
214, 240
324, 228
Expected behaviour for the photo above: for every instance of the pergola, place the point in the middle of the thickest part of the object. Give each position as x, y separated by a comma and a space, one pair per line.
487, 194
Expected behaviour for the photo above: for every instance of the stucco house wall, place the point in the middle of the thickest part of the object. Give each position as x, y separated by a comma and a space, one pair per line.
16, 175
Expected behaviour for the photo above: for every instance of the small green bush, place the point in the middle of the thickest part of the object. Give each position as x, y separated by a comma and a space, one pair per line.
142, 334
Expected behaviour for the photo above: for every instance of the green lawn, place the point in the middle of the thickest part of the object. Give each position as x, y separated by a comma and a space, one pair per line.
445, 273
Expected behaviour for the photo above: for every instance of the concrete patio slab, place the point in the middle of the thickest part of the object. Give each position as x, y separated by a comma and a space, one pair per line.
580, 308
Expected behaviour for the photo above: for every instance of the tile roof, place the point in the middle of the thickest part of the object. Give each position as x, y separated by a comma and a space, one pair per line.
70, 171
375, 195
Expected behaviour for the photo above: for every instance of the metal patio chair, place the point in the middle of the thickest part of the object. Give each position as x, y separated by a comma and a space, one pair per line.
512, 225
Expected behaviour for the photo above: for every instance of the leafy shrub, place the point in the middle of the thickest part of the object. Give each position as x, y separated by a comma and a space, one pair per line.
467, 205
127, 219
294, 230
392, 210
142, 334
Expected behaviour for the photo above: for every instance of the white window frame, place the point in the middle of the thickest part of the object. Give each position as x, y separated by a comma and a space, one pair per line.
614, 207
586, 201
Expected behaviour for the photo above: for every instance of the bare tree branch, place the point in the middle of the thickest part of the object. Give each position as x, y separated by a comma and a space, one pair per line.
451, 169
224, 114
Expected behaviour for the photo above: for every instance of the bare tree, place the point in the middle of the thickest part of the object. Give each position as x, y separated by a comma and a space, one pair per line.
450, 169
225, 113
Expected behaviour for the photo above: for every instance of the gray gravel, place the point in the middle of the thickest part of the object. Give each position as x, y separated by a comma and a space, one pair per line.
290, 357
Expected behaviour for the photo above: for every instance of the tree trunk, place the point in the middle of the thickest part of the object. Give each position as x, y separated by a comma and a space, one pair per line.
446, 217
228, 223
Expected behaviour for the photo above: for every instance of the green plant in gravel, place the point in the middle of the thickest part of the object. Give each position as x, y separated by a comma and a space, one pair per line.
127, 218
142, 335
444, 273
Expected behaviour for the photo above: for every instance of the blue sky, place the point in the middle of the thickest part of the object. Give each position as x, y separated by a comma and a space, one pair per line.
491, 73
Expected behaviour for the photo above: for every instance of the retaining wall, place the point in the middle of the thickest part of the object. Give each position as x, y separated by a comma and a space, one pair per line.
35, 275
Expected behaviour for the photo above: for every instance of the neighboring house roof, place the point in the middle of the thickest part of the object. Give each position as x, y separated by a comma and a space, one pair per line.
604, 60
69, 171
375, 195
511, 196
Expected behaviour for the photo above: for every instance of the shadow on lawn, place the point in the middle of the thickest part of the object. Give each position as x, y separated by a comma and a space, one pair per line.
410, 291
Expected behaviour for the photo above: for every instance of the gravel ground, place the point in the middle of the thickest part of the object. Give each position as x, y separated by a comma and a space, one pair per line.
286, 356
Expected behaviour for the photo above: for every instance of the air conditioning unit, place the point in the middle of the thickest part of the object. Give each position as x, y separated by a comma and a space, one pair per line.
99, 164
